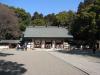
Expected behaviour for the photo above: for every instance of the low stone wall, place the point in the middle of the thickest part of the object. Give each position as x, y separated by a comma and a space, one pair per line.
4, 47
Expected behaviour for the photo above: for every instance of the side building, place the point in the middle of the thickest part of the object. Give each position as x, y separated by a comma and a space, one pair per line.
8, 44
49, 37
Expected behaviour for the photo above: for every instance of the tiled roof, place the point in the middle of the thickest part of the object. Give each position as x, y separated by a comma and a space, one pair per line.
45, 32
9, 41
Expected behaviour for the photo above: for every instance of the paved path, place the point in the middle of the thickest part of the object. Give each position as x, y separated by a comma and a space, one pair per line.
89, 64
42, 63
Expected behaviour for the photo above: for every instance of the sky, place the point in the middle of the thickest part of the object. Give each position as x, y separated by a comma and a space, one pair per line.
44, 6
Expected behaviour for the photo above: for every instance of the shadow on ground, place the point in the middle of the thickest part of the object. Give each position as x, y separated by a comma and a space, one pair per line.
11, 68
5, 54
82, 52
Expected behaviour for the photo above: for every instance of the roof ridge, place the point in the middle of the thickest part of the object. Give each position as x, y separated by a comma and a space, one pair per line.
44, 27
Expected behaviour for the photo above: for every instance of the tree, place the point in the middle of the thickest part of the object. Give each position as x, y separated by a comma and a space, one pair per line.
62, 18
36, 15
39, 22
86, 24
51, 19
9, 28
70, 20
38, 19
65, 18
24, 18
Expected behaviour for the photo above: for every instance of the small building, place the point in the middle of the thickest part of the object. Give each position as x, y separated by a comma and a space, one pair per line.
6, 44
49, 37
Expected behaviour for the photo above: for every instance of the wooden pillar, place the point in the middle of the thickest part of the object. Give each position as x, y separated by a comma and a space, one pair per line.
32, 44
43, 44
53, 44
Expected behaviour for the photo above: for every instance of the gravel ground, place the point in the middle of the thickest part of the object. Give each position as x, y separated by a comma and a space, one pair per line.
89, 64
41, 63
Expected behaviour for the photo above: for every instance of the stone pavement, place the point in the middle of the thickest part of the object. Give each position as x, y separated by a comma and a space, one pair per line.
41, 63
88, 64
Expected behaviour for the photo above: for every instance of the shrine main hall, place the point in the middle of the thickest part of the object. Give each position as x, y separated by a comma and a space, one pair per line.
48, 37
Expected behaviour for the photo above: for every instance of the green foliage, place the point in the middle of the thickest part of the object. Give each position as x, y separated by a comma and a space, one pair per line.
86, 25
62, 18
38, 19
24, 18
36, 15
70, 20
65, 18
38, 22
51, 19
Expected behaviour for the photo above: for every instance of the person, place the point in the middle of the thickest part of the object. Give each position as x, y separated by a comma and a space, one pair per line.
81, 47
18, 46
94, 50
25, 46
